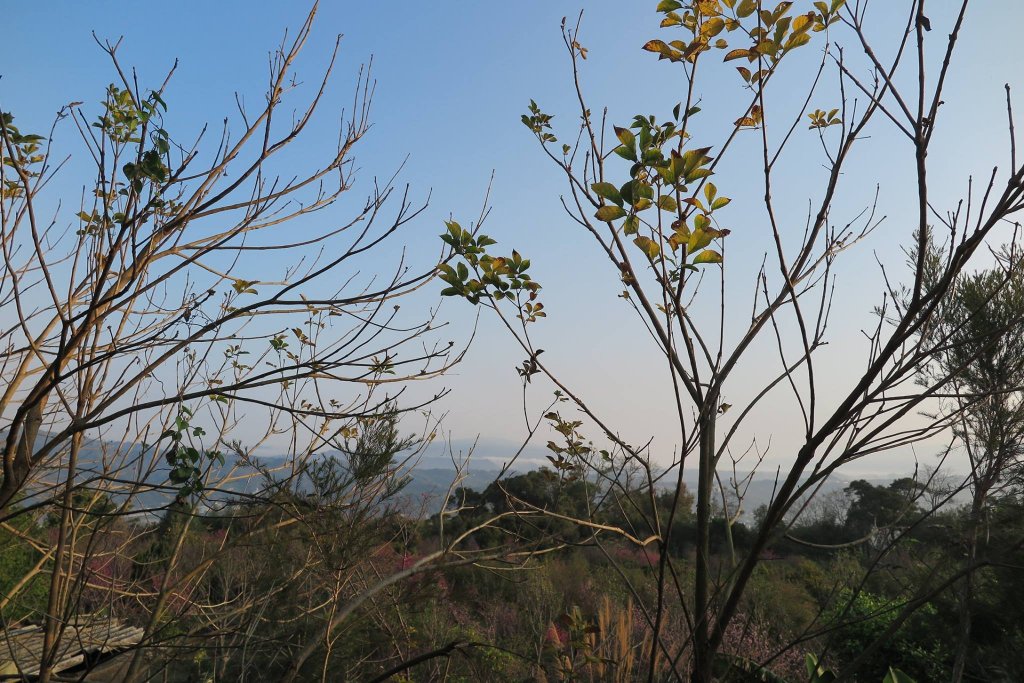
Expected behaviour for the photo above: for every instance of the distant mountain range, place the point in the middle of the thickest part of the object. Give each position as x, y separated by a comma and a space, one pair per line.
429, 481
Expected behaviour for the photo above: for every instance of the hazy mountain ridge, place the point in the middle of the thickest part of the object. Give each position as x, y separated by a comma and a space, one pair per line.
430, 478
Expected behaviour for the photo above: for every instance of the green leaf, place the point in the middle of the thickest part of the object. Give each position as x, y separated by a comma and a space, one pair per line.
607, 191
694, 159
648, 246
666, 174
667, 203
811, 664
669, 5
631, 225
897, 676
781, 27
625, 152
610, 213
677, 164
627, 191
653, 157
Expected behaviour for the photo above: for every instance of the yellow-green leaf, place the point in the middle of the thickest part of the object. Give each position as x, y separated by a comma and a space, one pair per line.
780, 9
803, 23
625, 136
610, 213
797, 40
660, 47
708, 256
671, 19
710, 191
648, 246
782, 26
712, 27
607, 191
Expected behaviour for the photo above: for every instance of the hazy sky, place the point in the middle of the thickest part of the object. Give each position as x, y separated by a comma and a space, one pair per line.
453, 79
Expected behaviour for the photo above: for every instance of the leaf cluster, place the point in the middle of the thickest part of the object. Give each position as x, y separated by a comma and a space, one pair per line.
479, 275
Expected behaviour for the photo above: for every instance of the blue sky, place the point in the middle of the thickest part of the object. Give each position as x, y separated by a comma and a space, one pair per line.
452, 81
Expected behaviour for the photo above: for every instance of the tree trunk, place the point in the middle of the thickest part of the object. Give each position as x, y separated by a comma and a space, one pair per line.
964, 626
52, 624
702, 651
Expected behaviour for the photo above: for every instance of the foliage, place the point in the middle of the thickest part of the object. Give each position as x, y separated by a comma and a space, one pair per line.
864, 618
140, 380
604, 566
650, 193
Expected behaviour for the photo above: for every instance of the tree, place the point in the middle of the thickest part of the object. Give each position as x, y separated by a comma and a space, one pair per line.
146, 355
875, 507
978, 359
661, 221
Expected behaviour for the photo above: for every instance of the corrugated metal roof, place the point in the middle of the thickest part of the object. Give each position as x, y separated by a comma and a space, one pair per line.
21, 648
